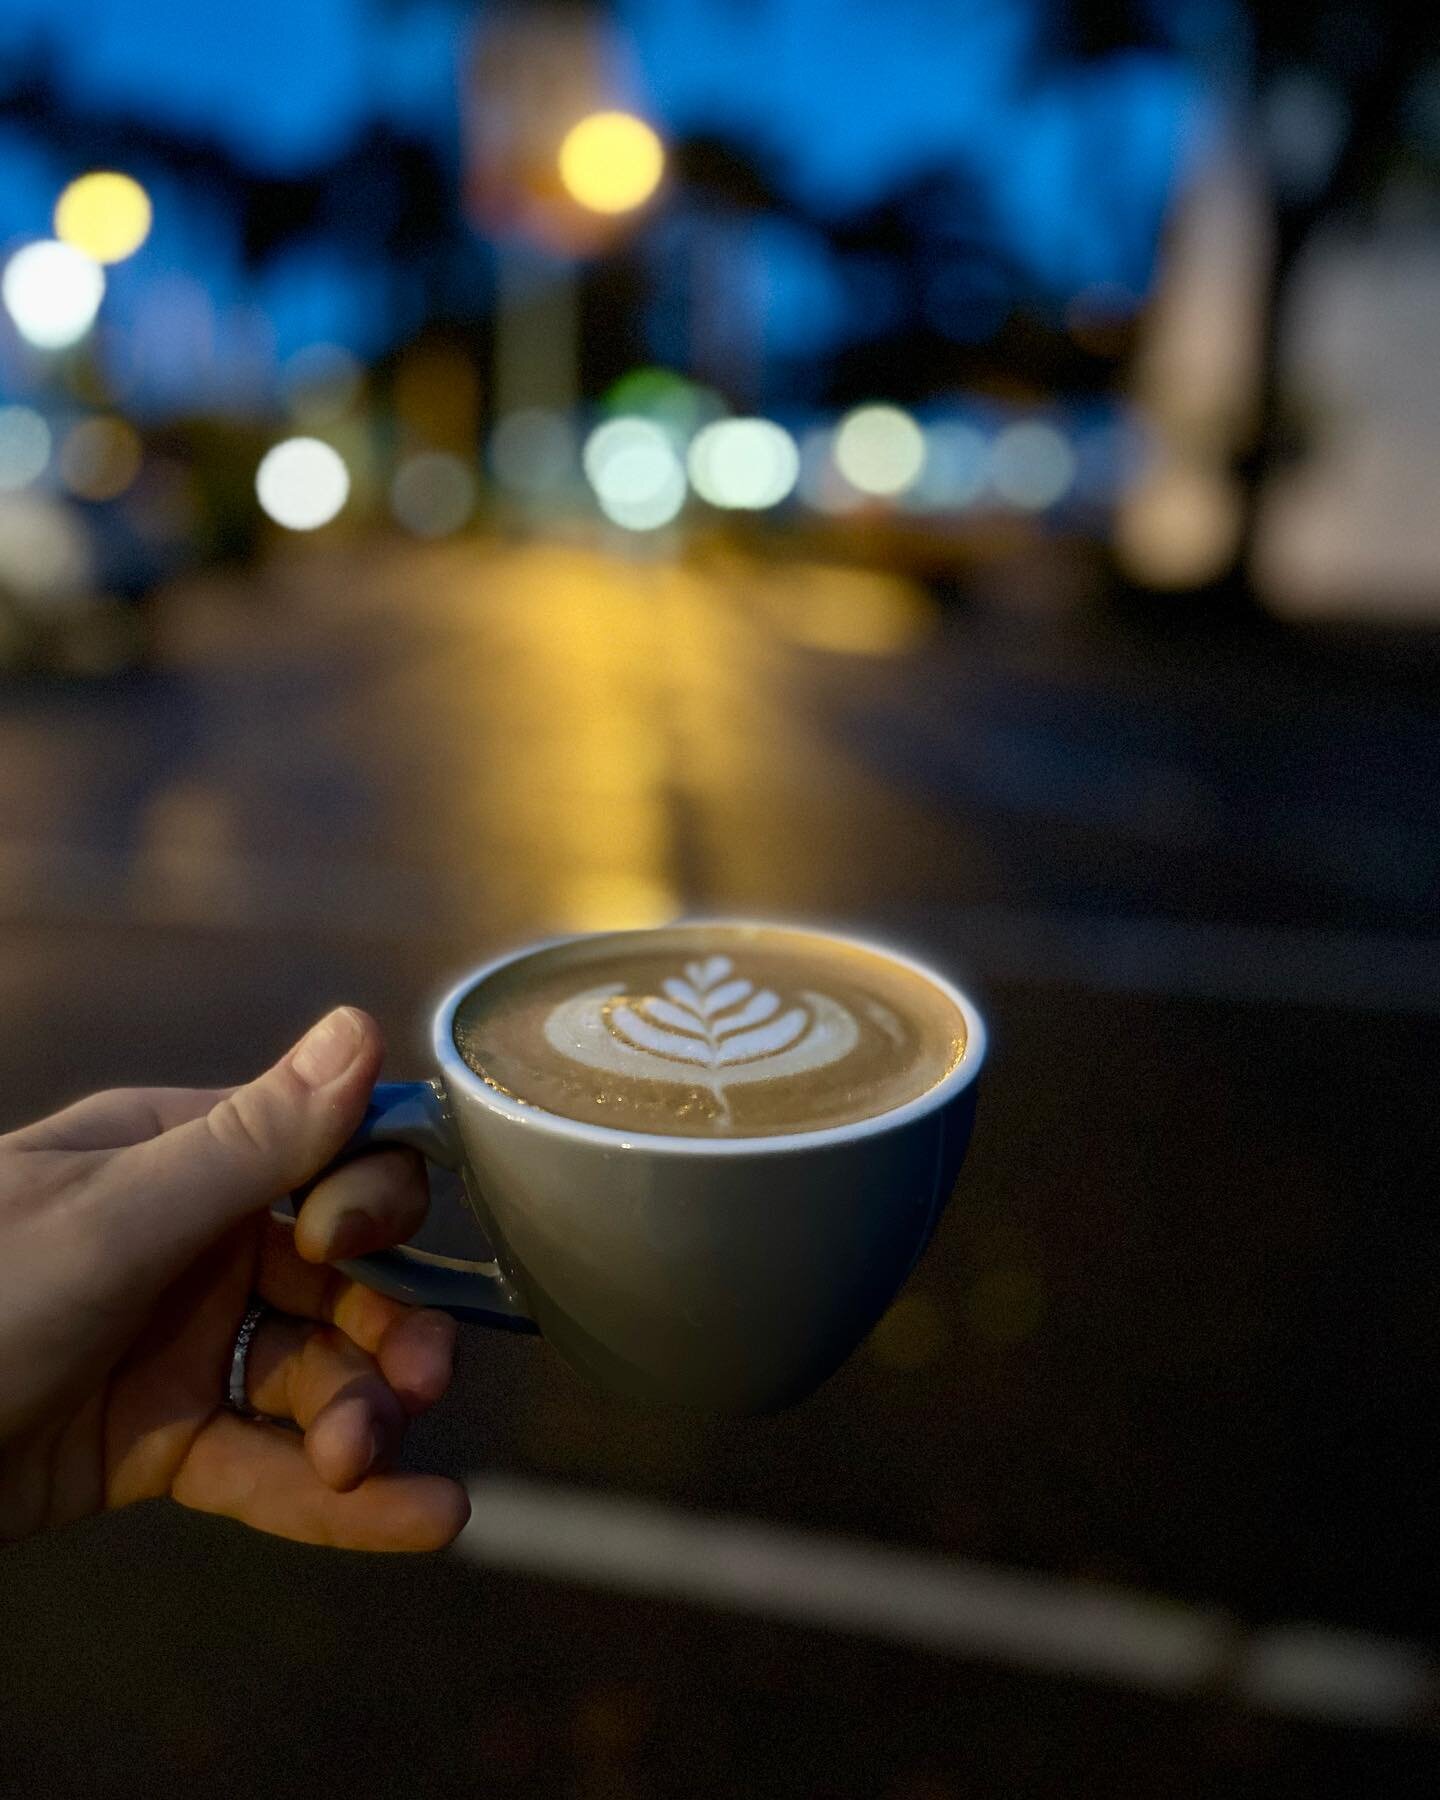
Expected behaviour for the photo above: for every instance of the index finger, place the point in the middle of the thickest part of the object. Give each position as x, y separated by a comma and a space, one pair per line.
119, 1117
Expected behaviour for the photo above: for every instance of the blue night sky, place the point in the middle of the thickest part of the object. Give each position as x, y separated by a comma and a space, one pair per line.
286, 82
847, 96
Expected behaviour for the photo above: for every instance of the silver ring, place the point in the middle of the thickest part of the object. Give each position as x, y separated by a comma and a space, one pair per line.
235, 1397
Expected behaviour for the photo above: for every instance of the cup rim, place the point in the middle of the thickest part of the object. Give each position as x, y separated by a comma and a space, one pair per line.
458, 1072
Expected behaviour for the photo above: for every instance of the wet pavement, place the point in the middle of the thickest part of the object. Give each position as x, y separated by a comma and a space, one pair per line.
1176, 1337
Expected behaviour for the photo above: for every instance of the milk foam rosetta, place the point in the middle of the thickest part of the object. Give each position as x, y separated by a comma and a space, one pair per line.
710, 1030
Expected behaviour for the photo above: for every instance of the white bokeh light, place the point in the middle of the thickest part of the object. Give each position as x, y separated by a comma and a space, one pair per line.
45, 557
53, 293
433, 493
24, 447
302, 484
1031, 465
880, 450
744, 464
632, 466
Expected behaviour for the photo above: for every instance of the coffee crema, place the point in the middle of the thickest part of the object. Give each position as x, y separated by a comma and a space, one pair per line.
710, 1031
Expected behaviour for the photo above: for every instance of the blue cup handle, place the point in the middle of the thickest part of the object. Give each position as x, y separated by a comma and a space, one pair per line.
411, 1112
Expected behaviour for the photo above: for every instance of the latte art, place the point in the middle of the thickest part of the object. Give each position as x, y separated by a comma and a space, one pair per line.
709, 1030
694, 1023
709, 1024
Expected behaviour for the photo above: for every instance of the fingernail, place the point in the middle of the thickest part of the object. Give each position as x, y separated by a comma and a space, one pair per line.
328, 1049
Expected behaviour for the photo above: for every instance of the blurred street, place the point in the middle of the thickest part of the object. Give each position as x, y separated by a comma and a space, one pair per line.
1176, 1338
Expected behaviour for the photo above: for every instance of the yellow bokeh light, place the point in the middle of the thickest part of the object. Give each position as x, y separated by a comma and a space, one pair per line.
106, 215
1179, 526
611, 162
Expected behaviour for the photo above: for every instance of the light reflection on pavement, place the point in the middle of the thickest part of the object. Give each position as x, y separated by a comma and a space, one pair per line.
524, 739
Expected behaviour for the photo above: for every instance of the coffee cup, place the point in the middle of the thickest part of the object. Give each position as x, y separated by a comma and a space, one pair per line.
766, 1176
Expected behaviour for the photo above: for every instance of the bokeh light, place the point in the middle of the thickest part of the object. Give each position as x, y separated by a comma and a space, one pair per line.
611, 162
302, 483
52, 292
744, 464
104, 215
682, 406
880, 450
24, 447
1031, 465
635, 472
1178, 527
100, 458
434, 493
45, 557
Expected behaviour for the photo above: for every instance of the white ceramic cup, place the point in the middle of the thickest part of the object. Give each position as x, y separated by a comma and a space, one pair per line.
730, 1274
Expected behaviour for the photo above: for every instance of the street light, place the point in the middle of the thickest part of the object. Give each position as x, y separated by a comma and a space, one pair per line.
105, 215
611, 162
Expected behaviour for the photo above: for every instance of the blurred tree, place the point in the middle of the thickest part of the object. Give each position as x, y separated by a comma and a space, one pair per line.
930, 289
1078, 30
1327, 98
715, 171
722, 189
1318, 96
388, 199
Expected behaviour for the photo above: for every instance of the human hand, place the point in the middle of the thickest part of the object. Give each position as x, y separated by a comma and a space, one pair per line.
135, 1232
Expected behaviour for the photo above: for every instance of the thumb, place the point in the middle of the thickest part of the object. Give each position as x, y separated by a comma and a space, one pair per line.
261, 1140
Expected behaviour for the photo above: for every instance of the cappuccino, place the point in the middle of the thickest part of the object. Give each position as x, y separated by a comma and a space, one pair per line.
710, 1031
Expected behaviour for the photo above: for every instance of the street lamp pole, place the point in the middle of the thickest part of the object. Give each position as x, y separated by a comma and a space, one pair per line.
551, 175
